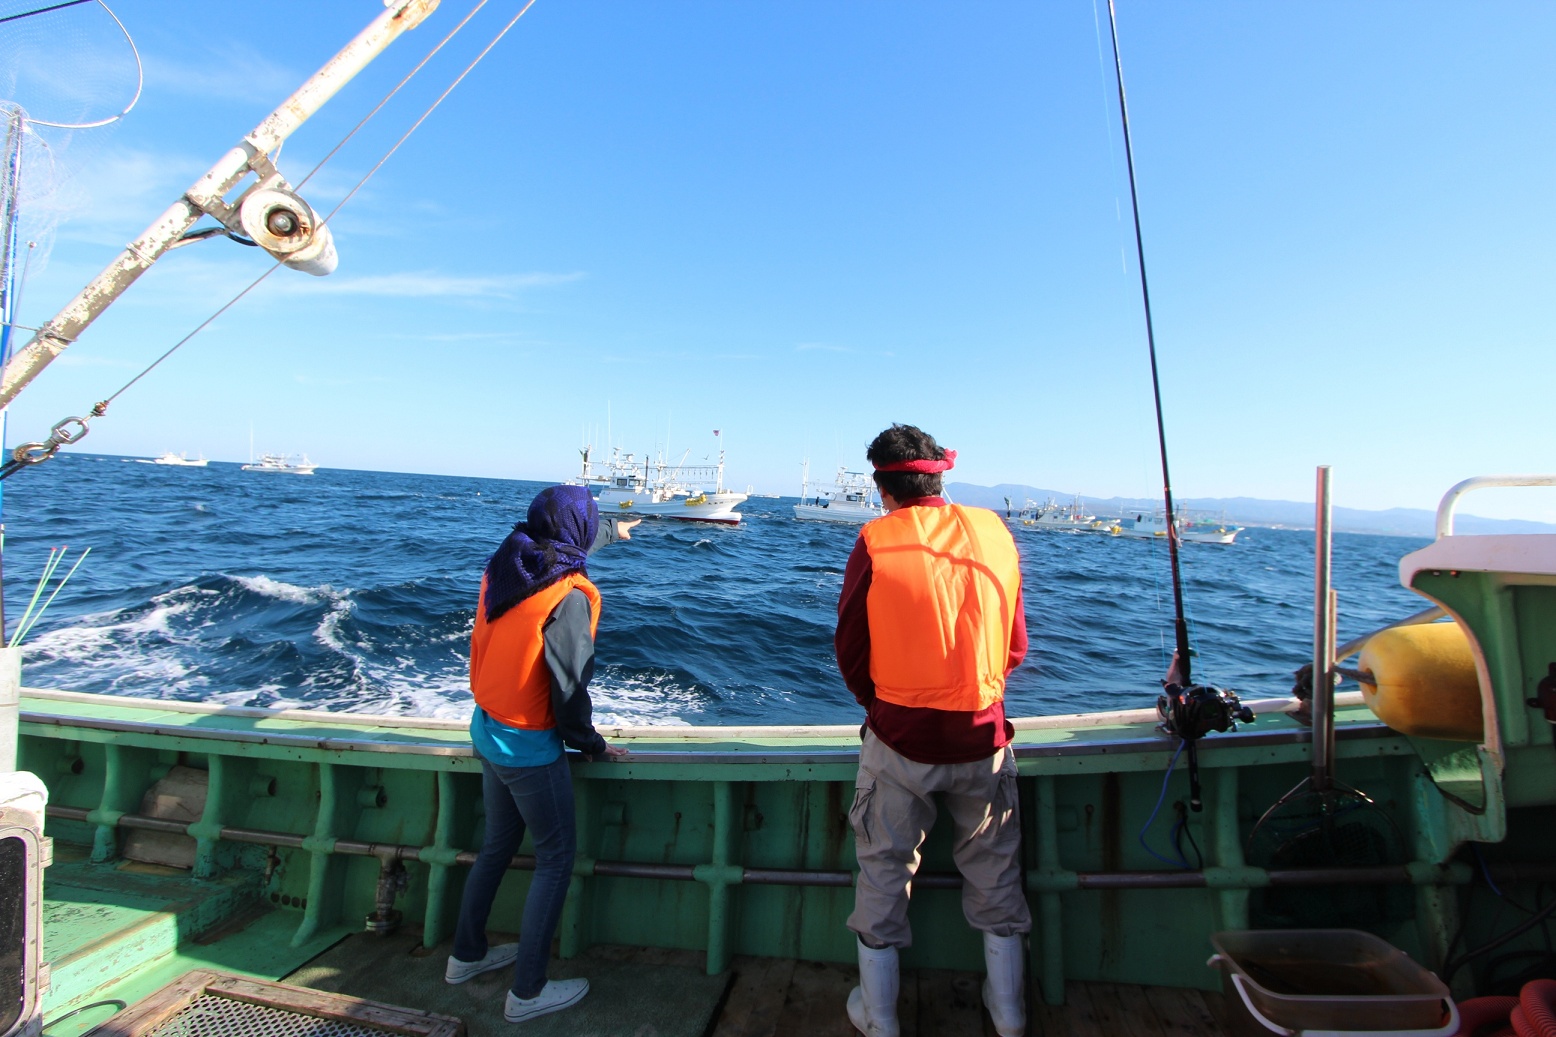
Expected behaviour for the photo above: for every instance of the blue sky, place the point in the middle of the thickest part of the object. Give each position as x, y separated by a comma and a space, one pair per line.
798, 222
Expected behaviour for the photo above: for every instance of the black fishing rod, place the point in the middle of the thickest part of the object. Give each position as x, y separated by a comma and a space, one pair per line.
1188, 711
1180, 671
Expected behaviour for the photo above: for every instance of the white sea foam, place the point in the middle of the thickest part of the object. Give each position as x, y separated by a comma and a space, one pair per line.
327, 633
269, 588
643, 700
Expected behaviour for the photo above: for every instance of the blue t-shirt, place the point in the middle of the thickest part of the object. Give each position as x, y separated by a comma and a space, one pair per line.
513, 746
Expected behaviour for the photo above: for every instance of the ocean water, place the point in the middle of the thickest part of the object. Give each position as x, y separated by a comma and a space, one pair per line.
356, 590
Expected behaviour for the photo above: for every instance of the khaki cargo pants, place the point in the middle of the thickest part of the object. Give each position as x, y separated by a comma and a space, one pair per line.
892, 814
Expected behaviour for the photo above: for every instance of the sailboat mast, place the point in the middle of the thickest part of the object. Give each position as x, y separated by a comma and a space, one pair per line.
1180, 671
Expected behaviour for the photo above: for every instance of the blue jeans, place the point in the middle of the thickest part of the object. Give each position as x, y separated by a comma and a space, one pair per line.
540, 798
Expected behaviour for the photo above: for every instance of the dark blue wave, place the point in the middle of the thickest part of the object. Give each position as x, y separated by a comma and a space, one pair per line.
355, 590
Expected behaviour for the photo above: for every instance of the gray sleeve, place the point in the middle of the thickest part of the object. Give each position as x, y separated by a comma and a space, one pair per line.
570, 658
606, 534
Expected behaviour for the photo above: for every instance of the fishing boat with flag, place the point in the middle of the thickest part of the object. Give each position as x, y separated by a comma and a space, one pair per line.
1330, 861
852, 498
627, 487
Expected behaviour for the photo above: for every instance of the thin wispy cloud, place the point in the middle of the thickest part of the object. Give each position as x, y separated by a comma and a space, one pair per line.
314, 381
88, 360
429, 285
229, 72
826, 347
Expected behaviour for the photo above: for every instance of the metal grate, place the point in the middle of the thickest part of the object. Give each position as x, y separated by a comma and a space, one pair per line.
211, 1016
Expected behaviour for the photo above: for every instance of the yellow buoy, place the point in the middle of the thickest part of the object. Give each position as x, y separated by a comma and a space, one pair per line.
1424, 682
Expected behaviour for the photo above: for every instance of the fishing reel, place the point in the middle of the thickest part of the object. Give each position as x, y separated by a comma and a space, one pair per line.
1193, 712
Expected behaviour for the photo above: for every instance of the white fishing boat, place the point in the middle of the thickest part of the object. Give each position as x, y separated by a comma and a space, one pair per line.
281, 463
1072, 517
628, 487
1191, 528
178, 460
852, 498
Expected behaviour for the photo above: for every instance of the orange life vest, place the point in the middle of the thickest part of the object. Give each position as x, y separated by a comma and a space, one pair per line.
508, 674
943, 588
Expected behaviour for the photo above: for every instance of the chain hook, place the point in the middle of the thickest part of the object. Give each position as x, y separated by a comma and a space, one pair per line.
65, 432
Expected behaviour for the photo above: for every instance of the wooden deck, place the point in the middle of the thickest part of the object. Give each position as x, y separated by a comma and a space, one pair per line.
776, 997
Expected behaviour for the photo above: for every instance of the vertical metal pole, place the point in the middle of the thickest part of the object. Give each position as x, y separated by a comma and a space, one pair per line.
9, 219
1323, 636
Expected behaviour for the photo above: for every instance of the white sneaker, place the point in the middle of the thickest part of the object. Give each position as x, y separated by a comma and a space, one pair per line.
496, 957
556, 995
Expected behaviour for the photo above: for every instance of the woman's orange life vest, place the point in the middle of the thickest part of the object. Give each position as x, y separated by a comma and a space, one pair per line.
508, 674
944, 582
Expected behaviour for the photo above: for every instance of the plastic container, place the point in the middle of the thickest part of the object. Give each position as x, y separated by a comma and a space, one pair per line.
1321, 982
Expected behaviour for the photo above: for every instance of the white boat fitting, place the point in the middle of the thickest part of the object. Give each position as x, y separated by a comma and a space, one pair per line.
629, 488
282, 464
851, 499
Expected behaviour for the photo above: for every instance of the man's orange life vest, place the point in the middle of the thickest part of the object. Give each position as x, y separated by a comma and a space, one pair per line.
943, 588
508, 673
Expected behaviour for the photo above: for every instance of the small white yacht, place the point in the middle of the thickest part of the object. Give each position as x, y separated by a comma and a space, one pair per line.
852, 499
178, 460
281, 463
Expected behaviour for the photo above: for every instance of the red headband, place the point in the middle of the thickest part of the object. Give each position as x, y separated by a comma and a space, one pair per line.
924, 466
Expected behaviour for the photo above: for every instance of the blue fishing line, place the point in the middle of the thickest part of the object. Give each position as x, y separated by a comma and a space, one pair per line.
1485, 871
1180, 862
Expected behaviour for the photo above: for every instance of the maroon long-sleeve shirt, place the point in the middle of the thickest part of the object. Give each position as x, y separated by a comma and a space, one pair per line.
921, 734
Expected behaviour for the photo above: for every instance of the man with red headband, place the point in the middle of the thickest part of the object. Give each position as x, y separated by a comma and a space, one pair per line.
929, 624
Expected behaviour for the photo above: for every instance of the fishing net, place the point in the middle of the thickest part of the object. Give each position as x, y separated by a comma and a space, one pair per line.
66, 66
1335, 828
70, 63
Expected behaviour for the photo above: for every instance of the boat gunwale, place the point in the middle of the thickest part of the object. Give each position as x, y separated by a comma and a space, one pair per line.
680, 732
776, 745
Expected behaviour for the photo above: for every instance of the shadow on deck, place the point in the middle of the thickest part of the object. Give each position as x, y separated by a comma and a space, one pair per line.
666, 993
778, 997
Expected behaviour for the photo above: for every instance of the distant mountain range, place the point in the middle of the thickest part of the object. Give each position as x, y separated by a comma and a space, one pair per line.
1250, 511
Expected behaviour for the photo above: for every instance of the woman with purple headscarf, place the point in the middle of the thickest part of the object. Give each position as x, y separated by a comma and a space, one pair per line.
531, 658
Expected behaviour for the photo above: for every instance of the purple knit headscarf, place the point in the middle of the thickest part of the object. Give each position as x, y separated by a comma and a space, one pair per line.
552, 541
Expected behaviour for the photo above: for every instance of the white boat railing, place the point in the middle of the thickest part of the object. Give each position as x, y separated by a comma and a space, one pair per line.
1450, 501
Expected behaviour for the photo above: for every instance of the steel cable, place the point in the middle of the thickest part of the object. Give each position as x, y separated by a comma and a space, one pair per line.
349, 194
12, 466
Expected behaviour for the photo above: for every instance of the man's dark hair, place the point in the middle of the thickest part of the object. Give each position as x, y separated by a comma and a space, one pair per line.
906, 443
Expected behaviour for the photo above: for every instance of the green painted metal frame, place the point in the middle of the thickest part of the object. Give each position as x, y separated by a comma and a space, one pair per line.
719, 809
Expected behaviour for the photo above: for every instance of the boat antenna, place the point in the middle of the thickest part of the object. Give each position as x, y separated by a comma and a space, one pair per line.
1179, 672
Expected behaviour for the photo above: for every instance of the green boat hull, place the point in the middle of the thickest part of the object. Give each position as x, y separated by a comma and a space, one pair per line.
736, 841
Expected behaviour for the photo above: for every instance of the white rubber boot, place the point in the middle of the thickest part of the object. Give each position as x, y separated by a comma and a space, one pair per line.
872, 1005
1003, 995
